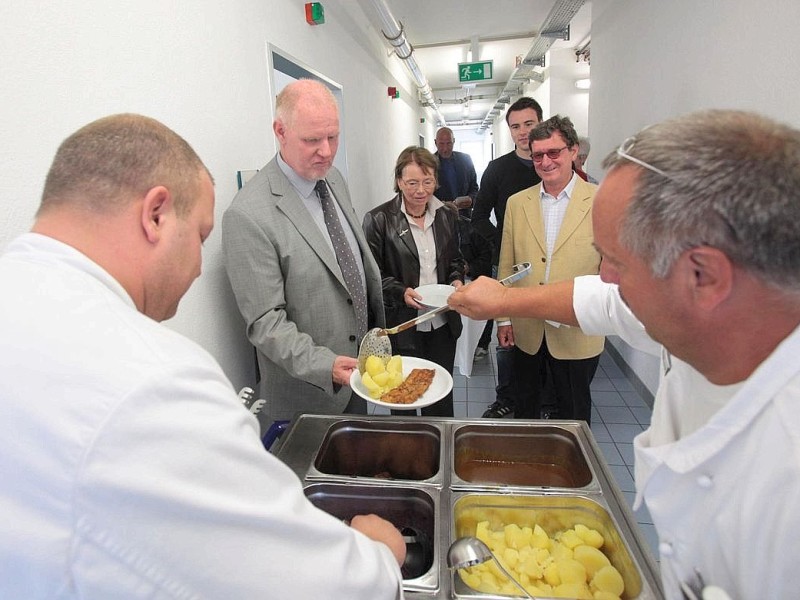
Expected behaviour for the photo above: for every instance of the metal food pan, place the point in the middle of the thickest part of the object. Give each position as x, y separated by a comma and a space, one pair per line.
414, 511
309, 438
554, 513
376, 450
520, 455
382, 450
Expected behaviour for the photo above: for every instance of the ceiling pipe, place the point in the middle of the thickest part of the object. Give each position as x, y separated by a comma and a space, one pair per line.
555, 26
394, 34
463, 100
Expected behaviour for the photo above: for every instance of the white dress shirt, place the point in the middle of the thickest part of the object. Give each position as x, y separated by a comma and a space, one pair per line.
426, 248
553, 210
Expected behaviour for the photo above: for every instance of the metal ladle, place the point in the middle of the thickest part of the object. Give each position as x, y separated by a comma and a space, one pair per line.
470, 551
376, 341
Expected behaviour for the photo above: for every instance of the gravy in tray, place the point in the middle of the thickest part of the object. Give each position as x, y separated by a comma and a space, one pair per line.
515, 473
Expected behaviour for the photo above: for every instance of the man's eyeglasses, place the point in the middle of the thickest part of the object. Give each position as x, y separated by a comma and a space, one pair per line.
552, 154
413, 184
624, 151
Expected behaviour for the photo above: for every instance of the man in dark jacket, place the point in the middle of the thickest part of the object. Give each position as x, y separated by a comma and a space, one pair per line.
458, 181
458, 188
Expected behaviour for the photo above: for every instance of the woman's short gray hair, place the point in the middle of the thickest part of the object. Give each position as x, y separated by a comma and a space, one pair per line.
721, 178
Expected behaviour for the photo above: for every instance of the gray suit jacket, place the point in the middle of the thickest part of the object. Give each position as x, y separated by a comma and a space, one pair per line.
291, 293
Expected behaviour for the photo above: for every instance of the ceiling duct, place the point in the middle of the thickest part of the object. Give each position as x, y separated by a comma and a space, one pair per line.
555, 27
394, 34
463, 99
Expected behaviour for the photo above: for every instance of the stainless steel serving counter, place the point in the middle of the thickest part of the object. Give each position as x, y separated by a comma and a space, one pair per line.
430, 476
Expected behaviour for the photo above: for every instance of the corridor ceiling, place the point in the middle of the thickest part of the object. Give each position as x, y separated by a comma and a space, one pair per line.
443, 32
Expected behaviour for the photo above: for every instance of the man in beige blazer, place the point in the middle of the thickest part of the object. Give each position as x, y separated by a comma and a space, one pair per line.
550, 226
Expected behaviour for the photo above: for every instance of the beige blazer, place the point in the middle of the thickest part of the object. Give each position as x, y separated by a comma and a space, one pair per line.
573, 255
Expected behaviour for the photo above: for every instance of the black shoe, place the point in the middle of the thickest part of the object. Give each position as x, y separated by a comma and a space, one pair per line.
497, 411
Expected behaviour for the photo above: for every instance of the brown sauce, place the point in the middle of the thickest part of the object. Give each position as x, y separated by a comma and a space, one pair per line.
515, 473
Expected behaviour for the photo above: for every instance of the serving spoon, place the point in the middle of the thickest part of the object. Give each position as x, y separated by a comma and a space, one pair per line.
376, 341
470, 551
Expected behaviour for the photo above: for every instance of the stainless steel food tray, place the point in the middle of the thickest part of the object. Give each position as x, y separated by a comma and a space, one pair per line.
426, 466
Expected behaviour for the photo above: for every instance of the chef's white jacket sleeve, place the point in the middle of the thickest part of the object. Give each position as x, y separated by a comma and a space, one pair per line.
600, 310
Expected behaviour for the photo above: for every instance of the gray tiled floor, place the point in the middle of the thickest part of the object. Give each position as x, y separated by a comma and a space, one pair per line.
618, 414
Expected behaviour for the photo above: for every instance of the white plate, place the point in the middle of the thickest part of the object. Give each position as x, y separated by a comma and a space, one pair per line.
434, 295
440, 386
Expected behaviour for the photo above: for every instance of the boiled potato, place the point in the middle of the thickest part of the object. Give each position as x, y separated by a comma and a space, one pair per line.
571, 571
511, 557
473, 580
540, 539
529, 567
381, 375
488, 582
571, 539
590, 537
567, 565
482, 531
544, 589
374, 365
559, 551
516, 536
373, 389
551, 575
395, 379
395, 364
591, 558
605, 596
608, 579
572, 590
381, 378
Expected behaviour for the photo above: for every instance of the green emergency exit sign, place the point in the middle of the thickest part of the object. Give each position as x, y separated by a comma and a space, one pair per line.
475, 71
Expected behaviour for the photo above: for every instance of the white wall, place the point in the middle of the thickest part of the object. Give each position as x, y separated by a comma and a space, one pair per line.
565, 99
652, 60
201, 68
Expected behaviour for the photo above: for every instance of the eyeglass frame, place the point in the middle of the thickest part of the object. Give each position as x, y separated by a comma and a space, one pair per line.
547, 152
623, 152
415, 185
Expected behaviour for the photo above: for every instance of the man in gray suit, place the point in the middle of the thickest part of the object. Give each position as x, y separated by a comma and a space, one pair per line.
301, 316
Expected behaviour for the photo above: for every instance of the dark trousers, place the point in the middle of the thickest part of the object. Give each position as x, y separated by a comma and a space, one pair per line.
506, 392
486, 336
356, 406
437, 346
571, 381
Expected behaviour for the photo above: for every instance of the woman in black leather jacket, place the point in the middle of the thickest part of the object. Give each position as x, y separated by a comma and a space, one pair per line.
414, 238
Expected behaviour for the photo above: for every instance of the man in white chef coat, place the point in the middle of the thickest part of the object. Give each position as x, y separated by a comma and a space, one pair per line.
130, 468
697, 221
